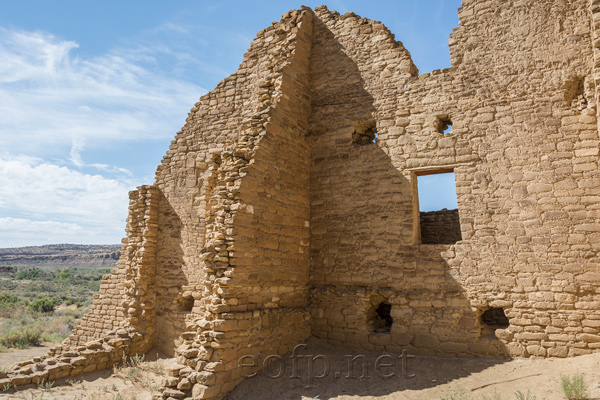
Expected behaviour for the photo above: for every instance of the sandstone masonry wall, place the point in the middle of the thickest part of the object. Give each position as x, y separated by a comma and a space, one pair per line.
440, 227
364, 244
530, 195
126, 297
287, 205
254, 297
524, 152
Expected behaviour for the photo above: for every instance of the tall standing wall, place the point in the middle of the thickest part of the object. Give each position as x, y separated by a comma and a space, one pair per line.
252, 302
524, 151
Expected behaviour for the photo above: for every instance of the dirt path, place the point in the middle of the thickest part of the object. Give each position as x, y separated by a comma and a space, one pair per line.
9, 357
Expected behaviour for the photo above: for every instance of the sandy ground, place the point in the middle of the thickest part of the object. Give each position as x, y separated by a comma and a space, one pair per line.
391, 378
131, 383
9, 357
432, 378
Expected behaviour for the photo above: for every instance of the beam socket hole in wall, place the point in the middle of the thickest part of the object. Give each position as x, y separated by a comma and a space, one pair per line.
384, 313
382, 318
444, 124
365, 132
494, 318
438, 209
186, 303
575, 93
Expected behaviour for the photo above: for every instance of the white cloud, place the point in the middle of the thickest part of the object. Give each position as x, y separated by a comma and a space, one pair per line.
76, 148
32, 56
73, 206
18, 232
60, 107
50, 97
79, 118
25, 225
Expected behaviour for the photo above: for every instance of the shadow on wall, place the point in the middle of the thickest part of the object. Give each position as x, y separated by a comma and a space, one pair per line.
380, 308
371, 287
170, 278
337, 92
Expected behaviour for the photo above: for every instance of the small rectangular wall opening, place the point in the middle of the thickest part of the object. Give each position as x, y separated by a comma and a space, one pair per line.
444, 124
438, 209
365, 132
379, 315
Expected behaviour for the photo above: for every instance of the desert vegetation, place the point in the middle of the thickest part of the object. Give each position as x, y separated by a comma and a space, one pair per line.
573, 387
43, 304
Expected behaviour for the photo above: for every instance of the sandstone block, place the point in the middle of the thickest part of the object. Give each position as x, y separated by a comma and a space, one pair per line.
174, 393
200, 391
426, 341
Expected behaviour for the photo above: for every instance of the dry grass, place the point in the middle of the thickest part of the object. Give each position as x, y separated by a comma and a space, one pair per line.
22, 327
140, 372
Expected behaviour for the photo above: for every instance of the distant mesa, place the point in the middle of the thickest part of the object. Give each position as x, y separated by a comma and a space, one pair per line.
84, 255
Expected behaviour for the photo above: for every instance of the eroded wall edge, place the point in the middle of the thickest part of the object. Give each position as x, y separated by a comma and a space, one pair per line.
238, 319
120, 322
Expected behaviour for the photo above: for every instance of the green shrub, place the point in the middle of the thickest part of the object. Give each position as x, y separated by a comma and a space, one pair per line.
60, 324
45, 304
65, 274
458, 393
574, 388
8, 300
30, 273
20, 337
522, 396
495, 396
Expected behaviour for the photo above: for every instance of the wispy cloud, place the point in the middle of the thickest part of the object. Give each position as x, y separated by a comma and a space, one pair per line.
171, 27
37, 187
75, 154
339, 6
32, 56
57, 107
50, 96
16, 232
26, 225
75, 158
440, 9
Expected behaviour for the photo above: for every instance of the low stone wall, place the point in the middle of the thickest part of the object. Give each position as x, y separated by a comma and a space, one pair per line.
63, 361
440, 227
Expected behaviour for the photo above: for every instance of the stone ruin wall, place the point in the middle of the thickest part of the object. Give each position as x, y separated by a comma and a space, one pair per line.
530, 204
232, 194
269, 222
249, 212
364, 243
254, 295
524, 150
485, 118
440, 227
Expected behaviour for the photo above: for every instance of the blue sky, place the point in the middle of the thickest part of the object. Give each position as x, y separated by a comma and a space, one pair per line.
436, 192
91, 94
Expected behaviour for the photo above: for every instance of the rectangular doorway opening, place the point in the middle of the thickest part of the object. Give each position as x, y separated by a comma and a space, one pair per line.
438, 209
